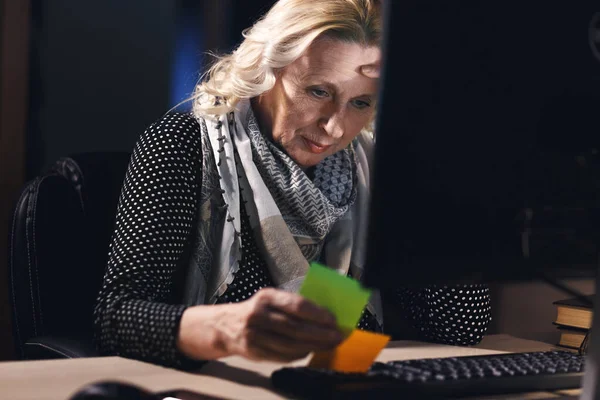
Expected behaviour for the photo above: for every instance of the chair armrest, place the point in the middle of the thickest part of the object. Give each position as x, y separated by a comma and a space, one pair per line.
49, 347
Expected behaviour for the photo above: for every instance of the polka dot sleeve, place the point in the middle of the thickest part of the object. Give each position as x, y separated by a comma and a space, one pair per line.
455, 315
155, 215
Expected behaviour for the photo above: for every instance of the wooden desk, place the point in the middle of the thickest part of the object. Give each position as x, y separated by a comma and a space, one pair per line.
229, 378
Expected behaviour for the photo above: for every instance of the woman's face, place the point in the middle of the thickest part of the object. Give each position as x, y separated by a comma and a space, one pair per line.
320, 102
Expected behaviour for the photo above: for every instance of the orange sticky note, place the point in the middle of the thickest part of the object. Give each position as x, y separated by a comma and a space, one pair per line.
355, 354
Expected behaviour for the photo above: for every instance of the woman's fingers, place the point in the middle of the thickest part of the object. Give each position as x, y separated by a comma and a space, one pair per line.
295, 305
271, 346
282, 326
316, 336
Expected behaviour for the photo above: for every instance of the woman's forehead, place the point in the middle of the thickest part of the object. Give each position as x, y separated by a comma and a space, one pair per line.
331, 58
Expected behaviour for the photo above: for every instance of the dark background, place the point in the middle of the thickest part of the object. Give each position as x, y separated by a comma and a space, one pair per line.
101, 71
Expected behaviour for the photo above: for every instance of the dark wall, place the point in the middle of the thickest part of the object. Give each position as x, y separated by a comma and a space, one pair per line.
101, 74
103, 70
245, 13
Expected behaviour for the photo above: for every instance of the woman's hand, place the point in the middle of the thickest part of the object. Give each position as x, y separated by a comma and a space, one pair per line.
272, 325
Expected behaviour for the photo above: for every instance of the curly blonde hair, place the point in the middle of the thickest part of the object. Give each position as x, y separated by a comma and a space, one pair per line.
276, 40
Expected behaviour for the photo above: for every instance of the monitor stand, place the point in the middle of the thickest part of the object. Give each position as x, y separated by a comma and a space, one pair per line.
591, 378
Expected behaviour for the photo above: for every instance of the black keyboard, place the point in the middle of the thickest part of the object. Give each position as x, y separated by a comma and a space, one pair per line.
438, 378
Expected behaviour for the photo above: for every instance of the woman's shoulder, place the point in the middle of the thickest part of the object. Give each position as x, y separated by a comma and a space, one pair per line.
182, 131
177, 126
173, 138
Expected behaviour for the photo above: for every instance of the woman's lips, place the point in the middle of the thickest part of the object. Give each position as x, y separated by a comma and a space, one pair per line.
314, 147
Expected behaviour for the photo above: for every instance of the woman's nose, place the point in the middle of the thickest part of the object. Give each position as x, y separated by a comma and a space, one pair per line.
333, 125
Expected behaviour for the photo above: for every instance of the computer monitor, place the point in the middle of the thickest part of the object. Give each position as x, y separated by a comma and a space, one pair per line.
487, 153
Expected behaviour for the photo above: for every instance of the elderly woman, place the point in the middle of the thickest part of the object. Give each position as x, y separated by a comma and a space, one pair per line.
223, 209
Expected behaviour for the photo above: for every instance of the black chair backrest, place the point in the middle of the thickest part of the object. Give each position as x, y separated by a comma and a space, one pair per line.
58, 245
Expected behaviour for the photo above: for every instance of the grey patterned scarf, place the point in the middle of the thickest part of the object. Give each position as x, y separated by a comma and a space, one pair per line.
309, 208
295, 219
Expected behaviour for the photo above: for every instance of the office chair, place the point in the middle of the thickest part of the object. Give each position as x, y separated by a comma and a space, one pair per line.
58, 249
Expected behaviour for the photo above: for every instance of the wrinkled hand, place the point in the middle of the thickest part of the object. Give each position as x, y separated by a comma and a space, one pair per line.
279, 326
272, 325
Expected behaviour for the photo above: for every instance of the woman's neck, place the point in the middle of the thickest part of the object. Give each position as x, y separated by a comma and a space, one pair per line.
263, 118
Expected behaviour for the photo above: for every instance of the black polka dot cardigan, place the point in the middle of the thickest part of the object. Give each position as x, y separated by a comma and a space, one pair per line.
135, 315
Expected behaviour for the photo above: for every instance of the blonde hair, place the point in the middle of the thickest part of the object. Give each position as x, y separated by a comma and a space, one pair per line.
276, 40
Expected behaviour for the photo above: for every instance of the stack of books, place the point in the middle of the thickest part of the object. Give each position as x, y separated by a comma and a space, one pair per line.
574, 320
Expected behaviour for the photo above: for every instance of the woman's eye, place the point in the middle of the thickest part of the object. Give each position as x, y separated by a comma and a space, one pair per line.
320, 93
361, 104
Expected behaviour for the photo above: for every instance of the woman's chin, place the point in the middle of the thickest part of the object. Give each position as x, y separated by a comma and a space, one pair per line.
306, 159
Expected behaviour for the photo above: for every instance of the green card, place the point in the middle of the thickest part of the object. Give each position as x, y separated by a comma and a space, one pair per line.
342, 295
